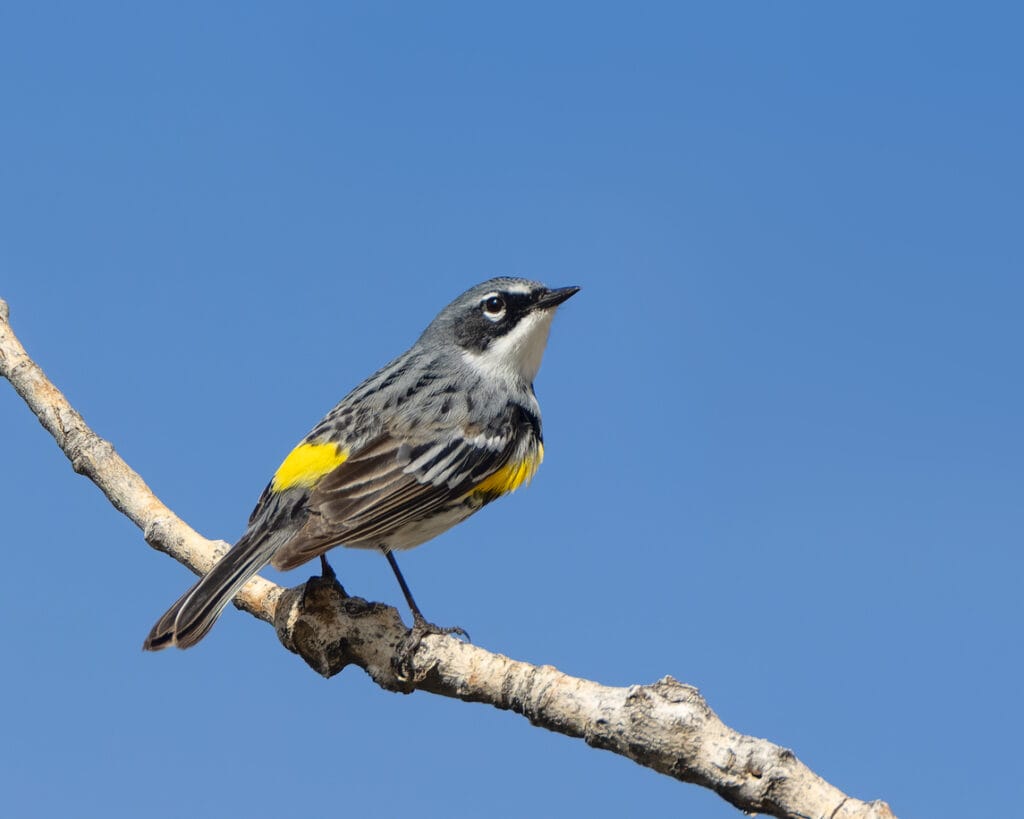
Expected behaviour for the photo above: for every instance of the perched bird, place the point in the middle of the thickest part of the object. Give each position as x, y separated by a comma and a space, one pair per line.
420, 445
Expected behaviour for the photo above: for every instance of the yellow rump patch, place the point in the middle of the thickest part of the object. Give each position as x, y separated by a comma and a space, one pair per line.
511, 476
306, 465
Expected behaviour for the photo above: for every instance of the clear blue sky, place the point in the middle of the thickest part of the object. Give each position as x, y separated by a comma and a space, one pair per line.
783, 417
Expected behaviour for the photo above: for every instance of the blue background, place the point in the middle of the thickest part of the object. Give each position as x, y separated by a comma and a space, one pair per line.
783, 416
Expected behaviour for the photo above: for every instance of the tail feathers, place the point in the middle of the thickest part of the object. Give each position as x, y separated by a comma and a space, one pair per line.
193, 614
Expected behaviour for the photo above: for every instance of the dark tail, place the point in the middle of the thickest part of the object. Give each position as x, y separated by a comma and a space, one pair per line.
193, 614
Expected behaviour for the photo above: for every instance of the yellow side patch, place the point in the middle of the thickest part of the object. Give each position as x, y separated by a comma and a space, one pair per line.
511, 476
307, 464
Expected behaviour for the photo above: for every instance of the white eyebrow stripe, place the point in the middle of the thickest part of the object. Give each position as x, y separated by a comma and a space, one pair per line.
519, 288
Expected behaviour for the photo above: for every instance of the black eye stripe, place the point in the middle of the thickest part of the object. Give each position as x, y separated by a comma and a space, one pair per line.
494, 314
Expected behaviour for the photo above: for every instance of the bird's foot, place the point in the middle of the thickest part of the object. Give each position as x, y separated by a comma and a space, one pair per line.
327, 580
421, 627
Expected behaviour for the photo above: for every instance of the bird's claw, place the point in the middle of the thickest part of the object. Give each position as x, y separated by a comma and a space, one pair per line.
421, 627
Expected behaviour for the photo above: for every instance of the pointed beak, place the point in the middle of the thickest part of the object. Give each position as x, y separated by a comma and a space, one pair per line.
554, 297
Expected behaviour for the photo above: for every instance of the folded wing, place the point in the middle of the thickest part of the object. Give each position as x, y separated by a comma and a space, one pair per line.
392, 482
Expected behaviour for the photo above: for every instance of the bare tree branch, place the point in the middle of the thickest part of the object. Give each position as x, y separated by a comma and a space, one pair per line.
667, 726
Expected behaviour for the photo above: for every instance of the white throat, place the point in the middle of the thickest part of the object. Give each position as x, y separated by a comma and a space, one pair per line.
517, 354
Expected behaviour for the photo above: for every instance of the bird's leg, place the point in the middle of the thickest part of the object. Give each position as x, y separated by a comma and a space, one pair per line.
417, 615
421, 627
327, 580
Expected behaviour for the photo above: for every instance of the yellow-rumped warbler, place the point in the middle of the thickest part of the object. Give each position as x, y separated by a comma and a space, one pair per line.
422, 444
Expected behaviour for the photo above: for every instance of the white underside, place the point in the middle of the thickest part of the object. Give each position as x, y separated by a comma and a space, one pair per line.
414, 534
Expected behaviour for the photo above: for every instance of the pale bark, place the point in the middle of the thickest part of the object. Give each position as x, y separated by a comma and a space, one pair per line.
667, 726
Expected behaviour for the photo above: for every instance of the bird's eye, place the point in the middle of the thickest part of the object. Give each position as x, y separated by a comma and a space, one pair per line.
494, 308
